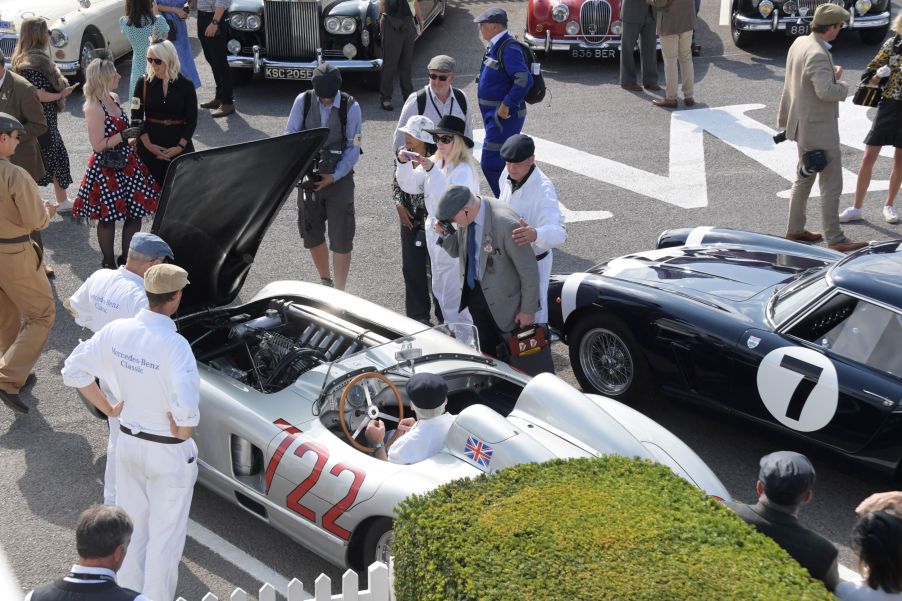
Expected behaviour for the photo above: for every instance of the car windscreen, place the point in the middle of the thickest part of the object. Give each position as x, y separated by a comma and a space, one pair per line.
795, 297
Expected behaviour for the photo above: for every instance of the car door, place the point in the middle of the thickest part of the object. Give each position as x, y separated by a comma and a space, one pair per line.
832, 374
427, 7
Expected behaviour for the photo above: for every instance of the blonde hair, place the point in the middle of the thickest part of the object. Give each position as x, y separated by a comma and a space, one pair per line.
32, 35
99, 77
458, 154
897, 24
165, 51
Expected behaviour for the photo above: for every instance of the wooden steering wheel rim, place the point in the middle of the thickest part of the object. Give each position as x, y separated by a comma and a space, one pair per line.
341, 410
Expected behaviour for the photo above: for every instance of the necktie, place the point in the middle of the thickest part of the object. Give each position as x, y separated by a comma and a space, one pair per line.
471, 255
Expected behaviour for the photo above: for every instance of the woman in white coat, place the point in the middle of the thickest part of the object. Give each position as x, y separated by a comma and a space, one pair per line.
451, 164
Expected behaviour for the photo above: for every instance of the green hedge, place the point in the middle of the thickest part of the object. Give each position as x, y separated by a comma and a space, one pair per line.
583, 529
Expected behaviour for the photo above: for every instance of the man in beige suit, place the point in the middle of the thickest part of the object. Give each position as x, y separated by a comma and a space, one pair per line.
809, 110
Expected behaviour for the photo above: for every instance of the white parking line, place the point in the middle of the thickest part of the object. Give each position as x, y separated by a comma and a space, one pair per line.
244, 562
725, 6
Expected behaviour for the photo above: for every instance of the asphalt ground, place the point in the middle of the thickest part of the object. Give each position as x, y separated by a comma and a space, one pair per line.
54, 457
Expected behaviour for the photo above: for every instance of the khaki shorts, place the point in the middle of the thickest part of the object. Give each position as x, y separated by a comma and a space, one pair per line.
333, 206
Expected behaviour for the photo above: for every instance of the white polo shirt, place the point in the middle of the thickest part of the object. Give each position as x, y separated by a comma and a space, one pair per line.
147, 364
107, 295
422, 441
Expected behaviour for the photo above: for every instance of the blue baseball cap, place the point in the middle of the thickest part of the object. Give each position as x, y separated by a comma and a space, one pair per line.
150, 245
492, 15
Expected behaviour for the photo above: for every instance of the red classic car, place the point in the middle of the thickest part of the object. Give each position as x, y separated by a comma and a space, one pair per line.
588, 28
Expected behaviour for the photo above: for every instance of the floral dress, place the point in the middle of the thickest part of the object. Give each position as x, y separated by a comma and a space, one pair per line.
53, 151
108, 194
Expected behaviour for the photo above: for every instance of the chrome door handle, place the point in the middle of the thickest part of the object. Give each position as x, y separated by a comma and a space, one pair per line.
886, 401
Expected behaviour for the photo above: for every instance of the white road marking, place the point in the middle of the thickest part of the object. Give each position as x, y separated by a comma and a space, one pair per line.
848, 574
244, 562
725, 12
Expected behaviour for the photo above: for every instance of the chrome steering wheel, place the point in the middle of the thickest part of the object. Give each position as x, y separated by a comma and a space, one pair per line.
372, 411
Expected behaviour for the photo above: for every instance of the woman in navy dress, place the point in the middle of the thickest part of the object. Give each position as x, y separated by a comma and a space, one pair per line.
106, 194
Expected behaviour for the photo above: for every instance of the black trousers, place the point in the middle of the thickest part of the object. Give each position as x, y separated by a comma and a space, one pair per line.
415, 269
398, 36
215, 53
490, 335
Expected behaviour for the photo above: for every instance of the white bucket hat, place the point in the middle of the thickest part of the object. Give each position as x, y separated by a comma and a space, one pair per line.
416, 126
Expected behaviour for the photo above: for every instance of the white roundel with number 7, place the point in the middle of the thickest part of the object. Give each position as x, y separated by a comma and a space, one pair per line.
799, 388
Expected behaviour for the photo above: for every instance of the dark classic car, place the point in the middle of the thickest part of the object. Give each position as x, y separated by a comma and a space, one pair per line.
870, 18
585, 28
287, 39
797, 337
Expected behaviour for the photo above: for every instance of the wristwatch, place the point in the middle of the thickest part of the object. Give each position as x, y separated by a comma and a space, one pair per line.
215, 22
379, 446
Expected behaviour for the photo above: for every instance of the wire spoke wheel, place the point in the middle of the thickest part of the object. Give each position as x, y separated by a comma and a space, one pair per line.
606, 361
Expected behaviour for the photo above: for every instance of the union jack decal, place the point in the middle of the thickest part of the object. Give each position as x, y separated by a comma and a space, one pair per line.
478, 452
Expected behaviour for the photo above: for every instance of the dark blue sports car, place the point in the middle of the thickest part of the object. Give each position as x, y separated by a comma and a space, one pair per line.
798, 337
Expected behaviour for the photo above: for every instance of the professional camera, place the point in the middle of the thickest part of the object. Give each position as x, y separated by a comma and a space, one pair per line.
311, 178
447, 227
813, 161
780, 137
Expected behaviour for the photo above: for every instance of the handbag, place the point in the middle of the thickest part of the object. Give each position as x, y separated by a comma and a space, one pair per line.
114, 158
867, 94
528, 350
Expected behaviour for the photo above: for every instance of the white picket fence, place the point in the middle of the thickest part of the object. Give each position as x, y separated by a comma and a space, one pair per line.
380, 589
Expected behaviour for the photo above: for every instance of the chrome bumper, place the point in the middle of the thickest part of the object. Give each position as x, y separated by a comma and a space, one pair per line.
70, 68
258, 62
549, 44
778, 23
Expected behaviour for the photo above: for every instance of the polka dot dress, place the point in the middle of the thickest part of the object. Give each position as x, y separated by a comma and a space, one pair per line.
115, 194
56, 159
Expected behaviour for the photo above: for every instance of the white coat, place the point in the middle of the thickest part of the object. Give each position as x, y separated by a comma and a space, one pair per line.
445, 269
536, 202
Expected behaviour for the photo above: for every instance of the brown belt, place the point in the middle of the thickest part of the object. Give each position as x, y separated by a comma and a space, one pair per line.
16, 240
165, 121
151, 437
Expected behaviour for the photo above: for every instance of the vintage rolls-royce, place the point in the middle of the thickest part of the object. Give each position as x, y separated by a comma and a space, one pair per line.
287, 39
589, 28
77, 28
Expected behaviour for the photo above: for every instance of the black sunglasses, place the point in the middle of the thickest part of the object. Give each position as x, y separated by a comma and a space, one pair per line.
433, 76
156, 61
444, 139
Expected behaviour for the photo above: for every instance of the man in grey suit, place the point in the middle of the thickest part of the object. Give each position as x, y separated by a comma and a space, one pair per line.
638, 25
809, 112
785, 482
499, 278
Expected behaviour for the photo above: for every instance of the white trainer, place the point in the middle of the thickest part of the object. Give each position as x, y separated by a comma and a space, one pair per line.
849, 214
890, 215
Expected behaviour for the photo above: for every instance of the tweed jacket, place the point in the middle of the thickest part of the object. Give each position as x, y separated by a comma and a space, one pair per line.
674, 16
508, 273
809, 106
20, 99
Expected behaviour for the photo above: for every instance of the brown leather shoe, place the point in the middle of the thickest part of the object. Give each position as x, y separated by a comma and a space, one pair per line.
12, 401
669, 103
224, 110
847, 246
654, 88
689, 101
211, 104
631, 87
804, 236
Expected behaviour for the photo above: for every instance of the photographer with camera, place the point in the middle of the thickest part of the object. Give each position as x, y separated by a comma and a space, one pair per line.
327, 193
809, 109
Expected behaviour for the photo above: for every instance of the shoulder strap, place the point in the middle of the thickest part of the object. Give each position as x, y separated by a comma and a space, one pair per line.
501, 50
144, 99
305, 109
421, 101
461, 99
346, 101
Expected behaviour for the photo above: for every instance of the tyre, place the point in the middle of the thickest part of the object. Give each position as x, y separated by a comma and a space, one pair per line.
85, 56
875, 36
606, 359
742, 39
377, 546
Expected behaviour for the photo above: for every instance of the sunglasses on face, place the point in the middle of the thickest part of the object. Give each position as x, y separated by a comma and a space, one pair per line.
433, 77
444, 139
155, 61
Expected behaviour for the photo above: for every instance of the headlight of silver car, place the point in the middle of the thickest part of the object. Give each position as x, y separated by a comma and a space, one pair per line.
560, 12
348, 25
862, 6
572, 28
58, 38
333, 24
253, 22
765, 7
236, 20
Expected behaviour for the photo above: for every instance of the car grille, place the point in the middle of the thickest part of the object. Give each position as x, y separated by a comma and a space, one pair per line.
812, 5
594, 20
292, 29
8, 45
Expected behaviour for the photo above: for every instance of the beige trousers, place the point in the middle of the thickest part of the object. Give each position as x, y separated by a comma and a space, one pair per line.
27, 309
677, 48
830, 182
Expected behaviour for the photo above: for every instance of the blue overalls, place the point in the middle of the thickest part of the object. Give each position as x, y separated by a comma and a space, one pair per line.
497, 86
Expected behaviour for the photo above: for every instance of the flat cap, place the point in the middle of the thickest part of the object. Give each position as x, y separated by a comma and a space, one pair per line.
492, 15
165, 278
426, 391
518, 148
443, 63
830, 14
786, 477
326, 81
9, 123
150, 245
452, 200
